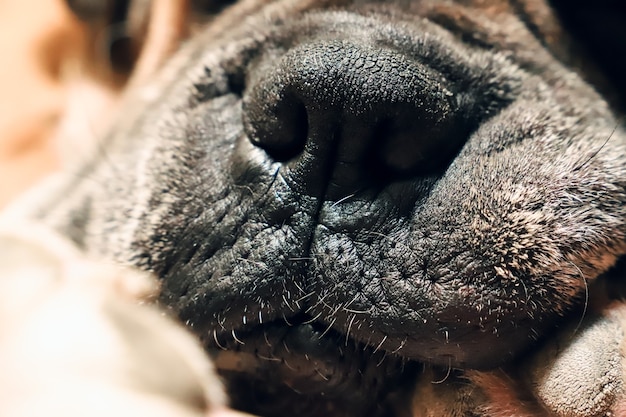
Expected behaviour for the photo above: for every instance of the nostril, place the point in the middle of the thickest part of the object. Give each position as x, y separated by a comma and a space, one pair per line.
414, 145
280, 127
236, 83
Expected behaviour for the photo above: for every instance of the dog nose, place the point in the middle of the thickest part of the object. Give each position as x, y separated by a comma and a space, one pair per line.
342, 117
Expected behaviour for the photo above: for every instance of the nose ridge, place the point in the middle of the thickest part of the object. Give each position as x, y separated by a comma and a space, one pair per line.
340, 116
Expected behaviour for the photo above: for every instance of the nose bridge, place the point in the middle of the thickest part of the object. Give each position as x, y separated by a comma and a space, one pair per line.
352, 79
328, 108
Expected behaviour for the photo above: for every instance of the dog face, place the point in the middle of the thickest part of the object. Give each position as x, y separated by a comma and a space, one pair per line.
335, 191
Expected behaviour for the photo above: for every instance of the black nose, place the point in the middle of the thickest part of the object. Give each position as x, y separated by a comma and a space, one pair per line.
342, 117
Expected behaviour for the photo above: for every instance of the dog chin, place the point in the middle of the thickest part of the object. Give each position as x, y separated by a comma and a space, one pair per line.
278, 366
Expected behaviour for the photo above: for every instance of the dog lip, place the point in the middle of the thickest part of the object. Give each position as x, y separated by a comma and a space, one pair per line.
308, 359
300, 356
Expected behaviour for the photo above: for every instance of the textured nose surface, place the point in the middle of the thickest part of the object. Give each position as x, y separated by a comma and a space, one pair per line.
343, 117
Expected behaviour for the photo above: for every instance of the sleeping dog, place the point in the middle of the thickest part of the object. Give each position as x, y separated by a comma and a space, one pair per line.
360, 207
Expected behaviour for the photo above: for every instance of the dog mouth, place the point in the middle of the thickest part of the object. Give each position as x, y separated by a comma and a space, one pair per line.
300, 364
304, 366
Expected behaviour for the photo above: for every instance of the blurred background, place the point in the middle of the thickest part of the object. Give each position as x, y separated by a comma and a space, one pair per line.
37, 36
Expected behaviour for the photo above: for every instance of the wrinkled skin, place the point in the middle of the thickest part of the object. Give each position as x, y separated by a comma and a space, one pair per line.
336, 193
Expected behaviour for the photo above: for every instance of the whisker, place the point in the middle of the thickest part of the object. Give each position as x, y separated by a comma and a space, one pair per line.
313, 319
349, 328
267, 358
380, 344
235, 337
448, 371
586, 304
380, 362
325, 378
330, 325
217, 342
341, 200
596, 152
399, 347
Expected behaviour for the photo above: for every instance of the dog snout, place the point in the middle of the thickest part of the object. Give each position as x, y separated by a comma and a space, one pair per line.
343, 117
